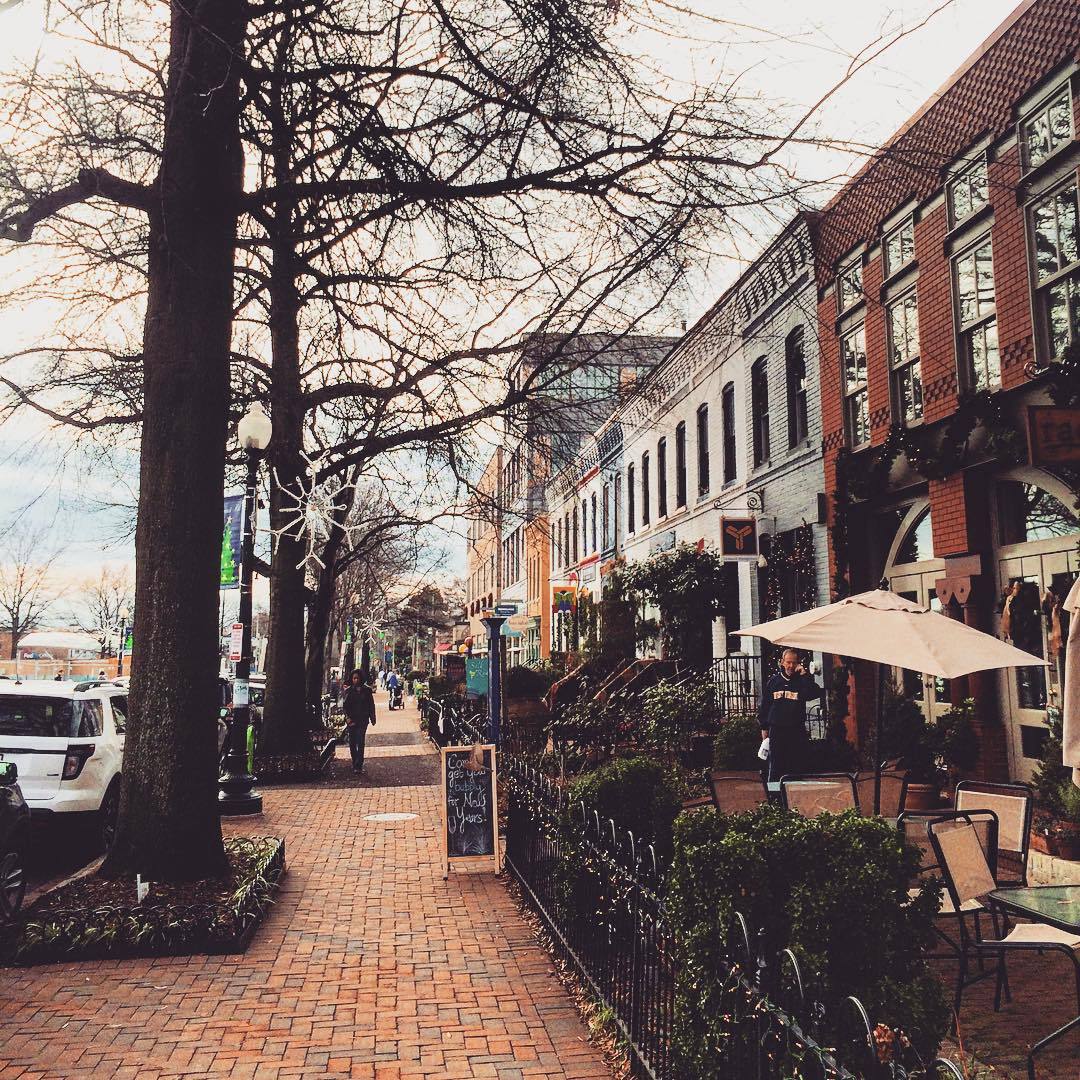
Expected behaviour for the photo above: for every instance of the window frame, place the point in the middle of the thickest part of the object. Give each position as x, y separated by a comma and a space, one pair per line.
859, 391
796, 394
853, 267
605, 520
759, 410
680, 464
1041, 111
630, 499
968, 331
728, 433
909, 362
1041, 288
964, 176
702, 423
661, 477
907, 224
592, 534
646, 518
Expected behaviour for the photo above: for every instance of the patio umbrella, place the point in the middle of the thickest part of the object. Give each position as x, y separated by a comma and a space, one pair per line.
1070, 710
883, 627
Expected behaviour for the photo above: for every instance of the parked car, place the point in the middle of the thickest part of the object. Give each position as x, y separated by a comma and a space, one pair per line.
14, 841
67, 740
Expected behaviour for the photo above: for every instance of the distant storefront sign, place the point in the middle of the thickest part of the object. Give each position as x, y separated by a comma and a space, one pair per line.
738, 537
476, 676
1053, 434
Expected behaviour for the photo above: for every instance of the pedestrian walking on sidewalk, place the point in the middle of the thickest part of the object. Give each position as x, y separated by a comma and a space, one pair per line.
359, 707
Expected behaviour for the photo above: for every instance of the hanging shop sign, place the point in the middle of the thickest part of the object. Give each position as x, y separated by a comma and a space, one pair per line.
738, 537
1053, 434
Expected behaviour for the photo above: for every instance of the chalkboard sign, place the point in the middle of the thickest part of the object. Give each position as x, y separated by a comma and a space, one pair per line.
470, 805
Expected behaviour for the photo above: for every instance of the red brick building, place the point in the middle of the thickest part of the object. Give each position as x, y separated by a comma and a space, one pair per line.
949, 285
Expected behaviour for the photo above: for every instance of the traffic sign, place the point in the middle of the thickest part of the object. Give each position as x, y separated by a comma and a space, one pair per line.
236, 642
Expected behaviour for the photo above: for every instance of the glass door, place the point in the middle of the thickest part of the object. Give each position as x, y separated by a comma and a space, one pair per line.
931, 693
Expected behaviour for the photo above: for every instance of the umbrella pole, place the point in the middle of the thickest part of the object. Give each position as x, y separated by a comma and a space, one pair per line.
877, 737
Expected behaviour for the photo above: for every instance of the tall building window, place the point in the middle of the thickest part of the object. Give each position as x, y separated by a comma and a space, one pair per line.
630, 498
566, 539
899, 247
554, 549
584, 528
795, 364
605, 520
1056, 240
849, 286
903, 327
575, 548
661, 478
645, 488
680, 464
615, 525
856, 404
703, 449
727, 423
975, 316
759, 408
593, 532
1048, 128
968, 191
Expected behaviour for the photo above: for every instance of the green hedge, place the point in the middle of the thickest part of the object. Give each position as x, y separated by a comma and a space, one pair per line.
636, 794
834, 889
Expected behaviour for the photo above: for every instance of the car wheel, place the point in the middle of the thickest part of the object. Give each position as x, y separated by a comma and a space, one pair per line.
12, 884
108, 816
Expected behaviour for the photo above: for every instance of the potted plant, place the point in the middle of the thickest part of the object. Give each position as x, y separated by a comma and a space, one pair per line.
957, 739
1055, 829
906, 735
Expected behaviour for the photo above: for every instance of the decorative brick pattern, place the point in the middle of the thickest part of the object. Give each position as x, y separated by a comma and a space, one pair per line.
370, 965
942, 387
1017, 353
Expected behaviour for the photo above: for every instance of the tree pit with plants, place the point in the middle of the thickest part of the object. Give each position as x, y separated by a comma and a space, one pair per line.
94, 917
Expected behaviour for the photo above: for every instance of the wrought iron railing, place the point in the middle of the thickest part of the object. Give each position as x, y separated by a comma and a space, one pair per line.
735, 685
600, 896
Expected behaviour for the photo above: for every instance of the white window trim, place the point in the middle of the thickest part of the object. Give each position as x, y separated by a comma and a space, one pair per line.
890, 271
1042, 105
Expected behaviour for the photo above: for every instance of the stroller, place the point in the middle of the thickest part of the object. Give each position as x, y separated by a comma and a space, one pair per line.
397, 698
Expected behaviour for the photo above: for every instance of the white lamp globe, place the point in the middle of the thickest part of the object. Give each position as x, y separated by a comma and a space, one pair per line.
255, 429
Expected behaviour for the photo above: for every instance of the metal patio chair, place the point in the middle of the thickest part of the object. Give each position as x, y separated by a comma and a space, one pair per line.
736, 792
893, 793
1012, 803
810, 794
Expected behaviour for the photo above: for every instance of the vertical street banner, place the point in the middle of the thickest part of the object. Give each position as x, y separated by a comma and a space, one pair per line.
232, 542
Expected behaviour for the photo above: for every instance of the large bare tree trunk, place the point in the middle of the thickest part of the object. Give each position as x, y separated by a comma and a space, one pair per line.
285, 726
169, 826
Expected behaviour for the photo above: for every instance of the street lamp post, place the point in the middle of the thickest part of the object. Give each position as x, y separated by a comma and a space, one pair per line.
123, 641
237, 795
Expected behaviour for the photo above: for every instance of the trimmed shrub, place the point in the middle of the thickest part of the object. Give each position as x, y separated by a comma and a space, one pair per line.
636, 794
737, 745
526, 683
833, 889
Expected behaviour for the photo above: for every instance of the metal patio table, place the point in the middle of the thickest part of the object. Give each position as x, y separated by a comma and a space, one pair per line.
1053, 905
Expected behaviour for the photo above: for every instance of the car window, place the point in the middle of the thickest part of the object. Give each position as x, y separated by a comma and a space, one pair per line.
49, 717
119, 712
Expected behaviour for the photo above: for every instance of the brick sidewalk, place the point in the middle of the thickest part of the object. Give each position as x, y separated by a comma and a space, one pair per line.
370, 965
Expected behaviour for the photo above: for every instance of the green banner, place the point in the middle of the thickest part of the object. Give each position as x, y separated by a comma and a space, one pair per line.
476, 676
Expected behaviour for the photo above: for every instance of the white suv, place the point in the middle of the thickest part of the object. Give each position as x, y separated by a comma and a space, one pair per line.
67, 739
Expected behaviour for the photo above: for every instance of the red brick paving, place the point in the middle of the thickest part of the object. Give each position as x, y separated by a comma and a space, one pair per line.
370, 965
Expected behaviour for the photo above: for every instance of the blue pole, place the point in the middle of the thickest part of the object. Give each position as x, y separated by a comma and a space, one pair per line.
493, 625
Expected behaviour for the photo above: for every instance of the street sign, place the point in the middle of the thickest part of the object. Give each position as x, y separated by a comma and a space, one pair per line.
738, 537
236, 642
506, 609
1053, 434
518, 623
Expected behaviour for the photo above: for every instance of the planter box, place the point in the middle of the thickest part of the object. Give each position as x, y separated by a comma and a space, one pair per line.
53, 935
922, 797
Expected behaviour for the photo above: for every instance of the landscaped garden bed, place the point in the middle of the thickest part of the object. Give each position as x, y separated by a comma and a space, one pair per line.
95, 917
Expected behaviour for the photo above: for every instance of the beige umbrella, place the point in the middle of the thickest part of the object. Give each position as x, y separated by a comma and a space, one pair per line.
883, 627
1070, 708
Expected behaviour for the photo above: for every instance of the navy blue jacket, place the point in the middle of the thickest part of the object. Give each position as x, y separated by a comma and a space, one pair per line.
783, 704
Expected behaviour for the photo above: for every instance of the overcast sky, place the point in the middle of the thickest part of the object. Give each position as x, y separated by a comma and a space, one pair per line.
783, 51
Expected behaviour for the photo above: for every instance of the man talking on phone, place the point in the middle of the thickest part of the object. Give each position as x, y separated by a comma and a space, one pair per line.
782, 715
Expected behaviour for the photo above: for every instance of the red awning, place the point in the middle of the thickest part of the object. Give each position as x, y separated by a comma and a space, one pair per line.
442, 646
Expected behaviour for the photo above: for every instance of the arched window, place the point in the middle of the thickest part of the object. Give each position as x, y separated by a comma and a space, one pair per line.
759, 408
645, 488
680, 465
795, 364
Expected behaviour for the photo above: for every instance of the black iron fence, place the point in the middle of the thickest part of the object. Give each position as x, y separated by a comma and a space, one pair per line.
600, 895
453, 721
735, 684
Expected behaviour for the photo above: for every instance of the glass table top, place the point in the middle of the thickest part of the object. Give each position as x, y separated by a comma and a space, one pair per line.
1058, 905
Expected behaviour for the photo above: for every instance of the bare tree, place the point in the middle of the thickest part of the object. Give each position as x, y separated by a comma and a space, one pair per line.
27, 585
100, 602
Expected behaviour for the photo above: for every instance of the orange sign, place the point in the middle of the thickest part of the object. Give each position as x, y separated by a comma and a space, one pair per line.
1053, 434
738, 537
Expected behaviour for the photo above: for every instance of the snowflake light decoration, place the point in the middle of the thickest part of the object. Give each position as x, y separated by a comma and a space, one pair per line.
313, 505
